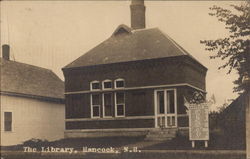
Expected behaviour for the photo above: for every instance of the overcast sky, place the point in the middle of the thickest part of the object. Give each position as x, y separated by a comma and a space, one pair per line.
51, 34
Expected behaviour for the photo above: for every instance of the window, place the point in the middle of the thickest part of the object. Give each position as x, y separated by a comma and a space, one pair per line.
170, 102
160, 102
95, 105
166, 104
119, 83
94, 85
107, 84
7, 121
120, 104
107, 105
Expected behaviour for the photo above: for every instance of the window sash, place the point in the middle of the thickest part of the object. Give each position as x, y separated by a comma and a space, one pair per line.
160, 102
123, 110
119, 103
92, 84
170, 102
107, 104
119, 81
95, 100
95, 104
95, 116
107, 84
121, 99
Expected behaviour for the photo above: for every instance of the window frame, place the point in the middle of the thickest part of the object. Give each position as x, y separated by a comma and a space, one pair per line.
91, 88
116, 104
103, 104
103, 86
92, 106
117, 80
11, 122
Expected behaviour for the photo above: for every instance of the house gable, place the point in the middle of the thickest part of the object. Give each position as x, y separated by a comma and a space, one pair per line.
122, 29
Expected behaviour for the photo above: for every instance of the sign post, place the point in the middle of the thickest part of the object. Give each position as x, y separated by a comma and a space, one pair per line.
198, 123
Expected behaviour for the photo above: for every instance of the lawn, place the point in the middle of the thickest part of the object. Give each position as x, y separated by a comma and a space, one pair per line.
180, 147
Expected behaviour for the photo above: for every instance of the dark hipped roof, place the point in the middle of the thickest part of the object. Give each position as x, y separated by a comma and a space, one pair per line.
130, 45
29, 80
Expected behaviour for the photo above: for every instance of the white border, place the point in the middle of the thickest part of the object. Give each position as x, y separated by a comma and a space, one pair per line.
133, 88
112, 118
121, 118
107, 130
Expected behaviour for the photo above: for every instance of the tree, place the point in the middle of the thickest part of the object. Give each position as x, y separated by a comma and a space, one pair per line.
234, 49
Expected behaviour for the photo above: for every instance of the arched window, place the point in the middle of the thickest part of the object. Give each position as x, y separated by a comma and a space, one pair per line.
95, 85
119, 83
107, 84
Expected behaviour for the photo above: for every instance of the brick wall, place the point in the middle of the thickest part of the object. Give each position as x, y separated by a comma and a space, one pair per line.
139, 73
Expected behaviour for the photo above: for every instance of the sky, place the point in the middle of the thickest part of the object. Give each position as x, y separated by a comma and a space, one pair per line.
51, 34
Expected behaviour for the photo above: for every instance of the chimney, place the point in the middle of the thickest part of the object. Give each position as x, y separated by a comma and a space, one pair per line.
6, 52
137, 9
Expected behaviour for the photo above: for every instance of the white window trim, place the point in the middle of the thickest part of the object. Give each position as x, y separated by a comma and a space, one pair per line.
165, 96
119, 104
91, 108
92, 83
103, 106
107, 80
119, 79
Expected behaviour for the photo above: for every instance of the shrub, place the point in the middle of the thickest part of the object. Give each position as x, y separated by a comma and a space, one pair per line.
35, 142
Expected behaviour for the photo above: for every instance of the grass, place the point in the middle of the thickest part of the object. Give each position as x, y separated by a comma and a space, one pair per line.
217, 142
78, 143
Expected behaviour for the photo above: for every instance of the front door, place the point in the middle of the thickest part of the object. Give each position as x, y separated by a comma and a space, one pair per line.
165, 108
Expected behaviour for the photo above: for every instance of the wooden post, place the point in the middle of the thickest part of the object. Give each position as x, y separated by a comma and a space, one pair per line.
206, 143
193, 144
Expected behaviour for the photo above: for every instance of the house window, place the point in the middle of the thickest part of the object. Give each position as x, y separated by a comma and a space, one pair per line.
95, 85
7, 121
120, 104
95, 105
107, 104
119, 83
107, 84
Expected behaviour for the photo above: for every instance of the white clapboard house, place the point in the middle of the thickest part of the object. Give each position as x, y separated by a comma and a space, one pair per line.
32, 102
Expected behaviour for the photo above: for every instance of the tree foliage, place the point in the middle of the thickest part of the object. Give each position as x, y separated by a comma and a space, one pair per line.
233, 49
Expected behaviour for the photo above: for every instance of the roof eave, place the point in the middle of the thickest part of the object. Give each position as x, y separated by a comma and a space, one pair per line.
123, 62
52, 99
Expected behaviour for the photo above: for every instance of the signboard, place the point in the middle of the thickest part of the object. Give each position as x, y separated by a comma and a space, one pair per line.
198, 121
